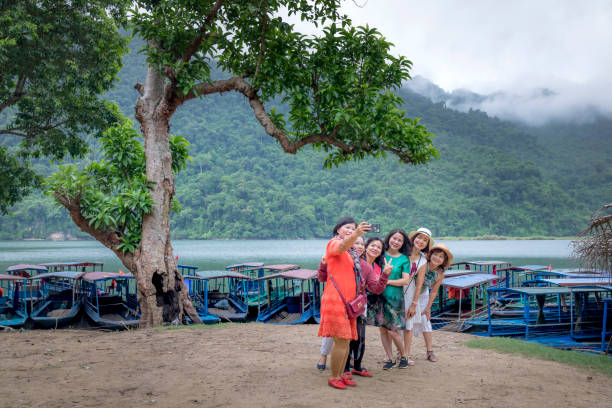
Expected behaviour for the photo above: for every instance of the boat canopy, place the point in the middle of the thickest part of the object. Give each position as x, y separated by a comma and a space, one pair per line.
245, 265
75, 264
275, 268
532, 267
11, 277
26, 267
468, 281
302, 274
220, 274
97, 276
486, 263
577, 281
62, 274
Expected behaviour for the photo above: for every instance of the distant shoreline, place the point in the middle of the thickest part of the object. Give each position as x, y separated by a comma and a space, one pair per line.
450, 238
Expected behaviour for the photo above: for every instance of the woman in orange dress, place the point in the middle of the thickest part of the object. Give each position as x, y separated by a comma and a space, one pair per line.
334, 320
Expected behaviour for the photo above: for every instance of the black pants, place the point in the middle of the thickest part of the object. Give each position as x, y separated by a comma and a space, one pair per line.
357, 347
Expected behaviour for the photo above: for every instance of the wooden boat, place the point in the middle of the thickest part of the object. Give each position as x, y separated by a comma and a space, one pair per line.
187, 269
255, 287
239, 267
228, 289
60, 299
110, 299
451, 310
291, 297
13, 307
544, 311
81, 266
26, 270
198, 289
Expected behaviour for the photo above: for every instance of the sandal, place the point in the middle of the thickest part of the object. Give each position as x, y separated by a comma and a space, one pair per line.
337, 383
363, 372
321, 367
431, 356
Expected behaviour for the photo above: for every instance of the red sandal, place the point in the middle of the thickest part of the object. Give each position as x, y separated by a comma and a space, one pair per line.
363, 372
336, 383
348, 381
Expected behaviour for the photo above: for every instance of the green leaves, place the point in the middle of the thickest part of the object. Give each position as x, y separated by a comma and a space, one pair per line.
56, 58
113, 194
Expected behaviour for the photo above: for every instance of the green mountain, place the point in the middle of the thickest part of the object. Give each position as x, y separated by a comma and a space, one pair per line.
493, 177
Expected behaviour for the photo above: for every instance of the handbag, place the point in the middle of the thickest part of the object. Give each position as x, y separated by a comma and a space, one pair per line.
357, 306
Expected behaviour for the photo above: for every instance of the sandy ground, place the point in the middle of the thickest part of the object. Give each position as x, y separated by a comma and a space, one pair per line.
257, 365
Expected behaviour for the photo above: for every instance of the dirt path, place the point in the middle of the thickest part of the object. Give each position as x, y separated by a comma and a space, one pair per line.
257, 365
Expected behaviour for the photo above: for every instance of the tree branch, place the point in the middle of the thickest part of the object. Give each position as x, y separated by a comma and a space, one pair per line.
30, 130
109, 239
198, 40
17, 94
262, 45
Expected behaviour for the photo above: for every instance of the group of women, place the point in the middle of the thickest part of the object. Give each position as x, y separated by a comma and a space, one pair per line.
401, 275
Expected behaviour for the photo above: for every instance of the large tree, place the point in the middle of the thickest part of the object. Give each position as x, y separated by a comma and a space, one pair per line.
57, 57
335, 89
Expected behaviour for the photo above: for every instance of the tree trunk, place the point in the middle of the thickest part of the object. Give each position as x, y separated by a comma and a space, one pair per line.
162, 294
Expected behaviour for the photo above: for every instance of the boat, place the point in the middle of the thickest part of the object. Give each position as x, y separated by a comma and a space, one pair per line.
239, 267
82, 266
110, 300
26, 270
450, 311
290, 297
543, 310
187, 270
13, 307
254, 287
59, 303
224, 294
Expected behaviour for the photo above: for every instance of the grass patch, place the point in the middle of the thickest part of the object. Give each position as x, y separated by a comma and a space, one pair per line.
601, 364
195, 326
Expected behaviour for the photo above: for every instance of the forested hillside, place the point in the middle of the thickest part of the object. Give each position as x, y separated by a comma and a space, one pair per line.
492, 178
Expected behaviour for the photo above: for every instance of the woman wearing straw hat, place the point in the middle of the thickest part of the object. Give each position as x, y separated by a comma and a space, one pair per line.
421, 242
429, 279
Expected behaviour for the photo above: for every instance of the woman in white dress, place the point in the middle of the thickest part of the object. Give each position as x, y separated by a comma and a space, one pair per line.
422, 242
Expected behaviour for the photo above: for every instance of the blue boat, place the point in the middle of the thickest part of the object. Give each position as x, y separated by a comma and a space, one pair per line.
226, 294
254, 287
110, 299
82, 266
543, 310
198, 289
26, 270
59, 301
13, 306
290, 297
187, 270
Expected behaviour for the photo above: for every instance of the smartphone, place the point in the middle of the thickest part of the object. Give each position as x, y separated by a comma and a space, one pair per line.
375, 228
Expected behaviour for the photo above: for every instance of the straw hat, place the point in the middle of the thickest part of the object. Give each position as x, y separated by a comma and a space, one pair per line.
445, 249
425, 232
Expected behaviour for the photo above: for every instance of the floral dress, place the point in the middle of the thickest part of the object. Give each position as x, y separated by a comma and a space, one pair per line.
387, 309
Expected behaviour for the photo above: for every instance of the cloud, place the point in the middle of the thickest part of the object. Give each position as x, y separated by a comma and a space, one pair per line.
506, 50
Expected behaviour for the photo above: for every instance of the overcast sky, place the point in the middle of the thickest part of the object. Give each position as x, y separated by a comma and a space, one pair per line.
495, 45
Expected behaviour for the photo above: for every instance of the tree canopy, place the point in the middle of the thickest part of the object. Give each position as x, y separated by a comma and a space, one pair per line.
56, 58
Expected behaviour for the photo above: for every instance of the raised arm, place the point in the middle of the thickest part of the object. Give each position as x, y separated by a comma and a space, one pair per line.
348, 242
433, 293
377, 283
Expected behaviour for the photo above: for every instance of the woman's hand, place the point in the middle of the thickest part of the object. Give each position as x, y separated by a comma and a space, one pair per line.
388, 267
427, 313
411, 310
363, 228
323, 260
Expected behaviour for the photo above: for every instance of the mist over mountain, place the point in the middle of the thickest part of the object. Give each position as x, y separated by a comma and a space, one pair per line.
534, 106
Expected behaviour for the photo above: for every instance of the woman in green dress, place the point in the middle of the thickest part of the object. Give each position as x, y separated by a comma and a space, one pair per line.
389, 315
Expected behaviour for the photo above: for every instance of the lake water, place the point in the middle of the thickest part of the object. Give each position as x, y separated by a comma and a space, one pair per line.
213, 254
